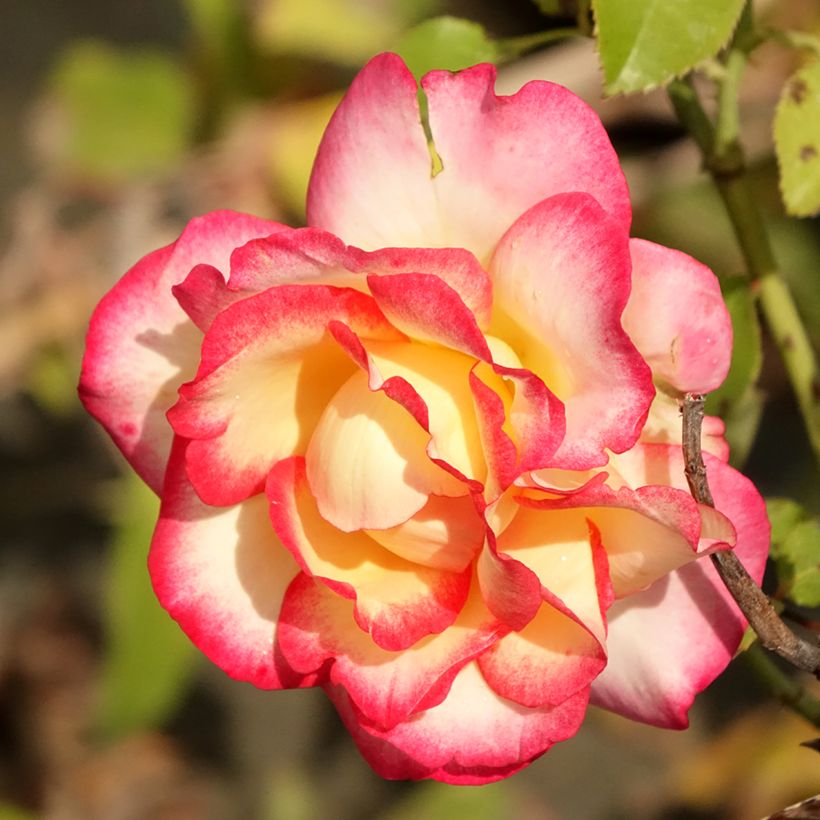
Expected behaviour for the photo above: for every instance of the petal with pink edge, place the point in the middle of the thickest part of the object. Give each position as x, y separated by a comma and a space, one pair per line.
677, 318
500, 155
671, 641
268, 369
474, 736
455, 267
503, 155
141, 345
561, 278
222, 575
551, 659
397, 602
371, 182
316, 628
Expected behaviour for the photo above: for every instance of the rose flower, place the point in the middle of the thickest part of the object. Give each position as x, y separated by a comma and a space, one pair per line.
425, 453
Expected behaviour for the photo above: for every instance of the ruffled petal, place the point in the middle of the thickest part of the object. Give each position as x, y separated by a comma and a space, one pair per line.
317, 635
222, 575
474, 736
455, 267
677, 318
367, 460
671, 641
141, 345
561, 277
551, 659
647, 532
397, 602
268, 369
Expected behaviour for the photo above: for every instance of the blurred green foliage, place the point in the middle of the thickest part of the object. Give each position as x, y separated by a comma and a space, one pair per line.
125, 112
149, 661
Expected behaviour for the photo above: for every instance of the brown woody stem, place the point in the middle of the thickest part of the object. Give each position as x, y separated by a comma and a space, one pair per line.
754, 604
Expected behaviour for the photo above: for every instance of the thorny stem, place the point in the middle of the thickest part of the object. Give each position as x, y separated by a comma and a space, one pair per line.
753, 603
724, 159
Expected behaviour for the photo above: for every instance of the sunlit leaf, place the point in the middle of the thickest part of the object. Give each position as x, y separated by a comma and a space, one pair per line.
796, 550
645, 43
122, 113
446, 42
149, 661
797, 141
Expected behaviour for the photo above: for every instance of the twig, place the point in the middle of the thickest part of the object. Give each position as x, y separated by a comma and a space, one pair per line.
753, 603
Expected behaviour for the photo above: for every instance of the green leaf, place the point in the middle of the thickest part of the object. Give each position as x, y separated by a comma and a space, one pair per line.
645, 43
149, 661
796, 550
449, 43
797, 142
123, 113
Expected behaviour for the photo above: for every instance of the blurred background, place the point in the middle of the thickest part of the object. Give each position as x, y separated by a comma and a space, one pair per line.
118, 122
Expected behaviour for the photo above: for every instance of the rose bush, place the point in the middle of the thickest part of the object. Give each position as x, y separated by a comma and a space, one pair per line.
425, 453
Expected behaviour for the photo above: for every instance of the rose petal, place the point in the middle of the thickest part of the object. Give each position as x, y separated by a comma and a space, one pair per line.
316, 626
551, 659
397, 602
502, 155
222, 575
671, 641
561, 277
475, 736
499, 158
371, 179
677, 318
268, 369
141, 345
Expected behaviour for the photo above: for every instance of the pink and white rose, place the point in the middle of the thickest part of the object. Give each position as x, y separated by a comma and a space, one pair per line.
425, 453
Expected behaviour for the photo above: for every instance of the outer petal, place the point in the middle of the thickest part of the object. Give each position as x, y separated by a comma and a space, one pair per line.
677, 318
671, 641
268, 368
561, 277
397, 602
475, 736
372, 182
141, 345
222, 575
316, 627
